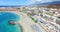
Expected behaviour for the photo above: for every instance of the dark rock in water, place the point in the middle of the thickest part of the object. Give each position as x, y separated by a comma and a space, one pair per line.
11, 22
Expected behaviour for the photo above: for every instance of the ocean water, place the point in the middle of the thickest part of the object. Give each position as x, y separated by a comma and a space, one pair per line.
5, 26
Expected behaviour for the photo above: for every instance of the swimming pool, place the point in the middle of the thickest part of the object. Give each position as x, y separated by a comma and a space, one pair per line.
4, 25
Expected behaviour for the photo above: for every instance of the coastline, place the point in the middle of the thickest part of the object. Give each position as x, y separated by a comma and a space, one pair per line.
25, 22
9, 26
20, 27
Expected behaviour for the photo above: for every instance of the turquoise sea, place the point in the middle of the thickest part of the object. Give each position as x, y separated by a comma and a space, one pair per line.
5, 26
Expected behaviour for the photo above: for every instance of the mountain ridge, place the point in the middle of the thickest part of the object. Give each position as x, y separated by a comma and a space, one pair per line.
48, 3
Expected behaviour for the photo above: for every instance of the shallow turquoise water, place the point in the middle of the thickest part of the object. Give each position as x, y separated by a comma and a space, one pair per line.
4, 26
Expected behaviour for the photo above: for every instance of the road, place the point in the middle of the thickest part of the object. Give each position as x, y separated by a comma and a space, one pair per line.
27, 23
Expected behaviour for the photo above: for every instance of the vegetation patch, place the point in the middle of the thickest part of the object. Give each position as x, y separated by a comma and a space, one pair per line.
32, 18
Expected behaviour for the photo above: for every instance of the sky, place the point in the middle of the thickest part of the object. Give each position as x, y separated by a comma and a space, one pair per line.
23, 2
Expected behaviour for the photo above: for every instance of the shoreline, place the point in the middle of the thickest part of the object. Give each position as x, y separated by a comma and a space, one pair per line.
20, 27
25, 22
